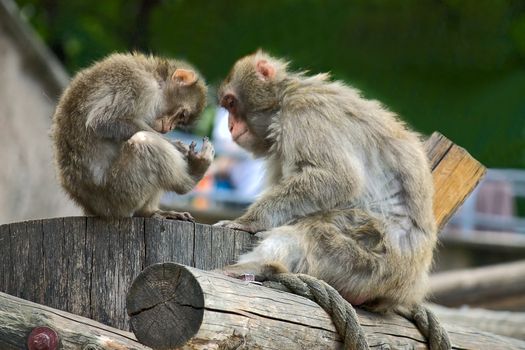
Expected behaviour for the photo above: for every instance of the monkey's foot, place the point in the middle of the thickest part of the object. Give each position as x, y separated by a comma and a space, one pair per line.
251, 228
253, 271
173, 215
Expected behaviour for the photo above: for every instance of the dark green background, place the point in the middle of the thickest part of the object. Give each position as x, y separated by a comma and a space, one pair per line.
448, 65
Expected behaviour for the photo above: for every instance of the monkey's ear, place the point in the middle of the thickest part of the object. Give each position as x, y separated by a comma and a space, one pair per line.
265, 70
184, 77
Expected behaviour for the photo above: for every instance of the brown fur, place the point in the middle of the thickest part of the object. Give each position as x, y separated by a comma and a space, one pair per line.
109, 154
350, 190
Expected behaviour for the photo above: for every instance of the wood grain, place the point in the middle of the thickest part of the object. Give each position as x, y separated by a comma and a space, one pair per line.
455, 172
18, 317
262, 318
478, 286
506, 323
85, 265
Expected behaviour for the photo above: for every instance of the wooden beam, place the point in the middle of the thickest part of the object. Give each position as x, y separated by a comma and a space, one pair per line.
19, 317
506, 323
456, 173
480, 287
172, 305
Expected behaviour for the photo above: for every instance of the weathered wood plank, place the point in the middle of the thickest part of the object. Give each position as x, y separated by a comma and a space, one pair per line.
18, 317
19, 282
168, 240
77, 259
214, 247
5, 257
116, 260
455, 172
260, 318
437, 147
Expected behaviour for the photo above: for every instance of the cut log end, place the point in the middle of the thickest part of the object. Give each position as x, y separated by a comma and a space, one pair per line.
166, 306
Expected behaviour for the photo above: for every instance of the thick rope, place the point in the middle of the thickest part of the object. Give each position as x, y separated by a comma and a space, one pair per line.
344, 316
429, 325
342, 313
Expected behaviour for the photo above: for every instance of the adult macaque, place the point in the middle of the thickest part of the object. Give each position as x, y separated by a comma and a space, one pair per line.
350, 190
111, 159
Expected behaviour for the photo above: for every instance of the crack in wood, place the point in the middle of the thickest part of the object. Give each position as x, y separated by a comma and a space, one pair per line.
404, 336
290, 321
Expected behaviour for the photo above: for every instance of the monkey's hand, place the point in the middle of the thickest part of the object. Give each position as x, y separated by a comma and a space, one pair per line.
198, 162
252, 227
181, 147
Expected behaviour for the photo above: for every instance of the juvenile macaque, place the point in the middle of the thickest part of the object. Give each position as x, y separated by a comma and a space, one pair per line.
350, 191
110, 155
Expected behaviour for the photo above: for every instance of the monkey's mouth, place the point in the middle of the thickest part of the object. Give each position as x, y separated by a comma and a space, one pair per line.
171, 122
238, 136
165, 124
236, 126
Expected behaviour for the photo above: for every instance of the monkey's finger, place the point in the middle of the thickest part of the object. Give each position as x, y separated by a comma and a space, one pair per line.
240, 227
188, 217
222, 223
181, 146
207, 149
193, 144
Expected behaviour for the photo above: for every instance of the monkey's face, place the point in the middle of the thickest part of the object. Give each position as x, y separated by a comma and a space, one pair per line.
250, 95
185, 98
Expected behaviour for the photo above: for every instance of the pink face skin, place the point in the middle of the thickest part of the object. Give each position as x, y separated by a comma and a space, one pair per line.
164, 124
170, 122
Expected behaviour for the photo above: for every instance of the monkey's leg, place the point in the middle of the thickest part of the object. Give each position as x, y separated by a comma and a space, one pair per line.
151, 209
283, 248
148, 165
280, 250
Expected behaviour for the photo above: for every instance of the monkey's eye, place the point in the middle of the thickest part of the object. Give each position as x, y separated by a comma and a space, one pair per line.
228, 102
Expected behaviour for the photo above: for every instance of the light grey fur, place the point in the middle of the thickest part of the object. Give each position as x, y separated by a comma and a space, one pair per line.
350, 190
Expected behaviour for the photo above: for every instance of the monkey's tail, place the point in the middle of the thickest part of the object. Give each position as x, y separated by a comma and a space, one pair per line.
429, 325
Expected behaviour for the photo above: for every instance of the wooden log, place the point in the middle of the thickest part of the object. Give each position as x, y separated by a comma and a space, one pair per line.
506, 323
19, 317
172, 305
84, 265
486, 287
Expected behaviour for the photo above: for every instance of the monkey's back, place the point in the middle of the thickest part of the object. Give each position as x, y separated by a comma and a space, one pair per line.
115, 85
389, 181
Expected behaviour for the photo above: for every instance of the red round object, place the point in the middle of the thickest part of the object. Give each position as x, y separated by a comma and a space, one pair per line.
42, 338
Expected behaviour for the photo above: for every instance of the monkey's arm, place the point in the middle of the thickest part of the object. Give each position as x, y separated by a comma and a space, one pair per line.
311, 190
113, 114
119, 129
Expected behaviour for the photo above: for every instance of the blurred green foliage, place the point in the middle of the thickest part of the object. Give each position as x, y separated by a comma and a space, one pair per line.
457, 66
